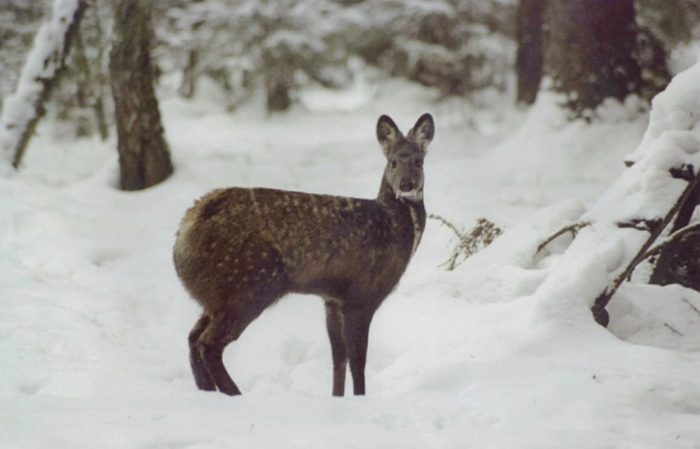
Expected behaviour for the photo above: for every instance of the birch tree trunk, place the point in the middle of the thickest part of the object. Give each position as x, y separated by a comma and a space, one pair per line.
144, 156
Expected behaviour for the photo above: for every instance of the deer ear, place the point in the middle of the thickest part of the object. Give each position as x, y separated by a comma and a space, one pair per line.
387, 133
423, 131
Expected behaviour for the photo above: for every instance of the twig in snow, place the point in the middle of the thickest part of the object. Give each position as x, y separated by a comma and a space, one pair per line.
674, 330
692, 306
572, 228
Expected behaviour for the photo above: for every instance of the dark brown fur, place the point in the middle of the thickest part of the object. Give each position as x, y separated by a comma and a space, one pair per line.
239, 250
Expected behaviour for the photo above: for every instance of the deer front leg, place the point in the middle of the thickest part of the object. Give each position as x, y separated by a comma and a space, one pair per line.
334, 325
356, 331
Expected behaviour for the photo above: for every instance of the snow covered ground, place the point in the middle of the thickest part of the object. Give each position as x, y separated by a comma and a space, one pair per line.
93, 320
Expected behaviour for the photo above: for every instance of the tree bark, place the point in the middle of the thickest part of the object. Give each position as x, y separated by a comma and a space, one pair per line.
144, 156
528, 64
590, 51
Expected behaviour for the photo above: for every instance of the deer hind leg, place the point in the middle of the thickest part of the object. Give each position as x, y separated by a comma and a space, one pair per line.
229, 324
220, 331
356, 330
334, 325
211, 346
201, 374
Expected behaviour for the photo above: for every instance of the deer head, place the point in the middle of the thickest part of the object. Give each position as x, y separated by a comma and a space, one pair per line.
404, 168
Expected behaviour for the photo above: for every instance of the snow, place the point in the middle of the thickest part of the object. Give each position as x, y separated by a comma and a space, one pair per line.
500, 353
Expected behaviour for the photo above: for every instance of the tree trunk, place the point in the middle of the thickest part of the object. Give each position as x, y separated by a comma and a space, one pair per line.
144, 157
44, 66
590, 51
278, 85
528, 64
189, 75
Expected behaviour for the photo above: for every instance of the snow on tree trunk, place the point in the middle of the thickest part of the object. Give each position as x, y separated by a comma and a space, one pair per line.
42, 69
662, 174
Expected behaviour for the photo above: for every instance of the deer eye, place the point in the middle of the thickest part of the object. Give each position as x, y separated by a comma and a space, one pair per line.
418, 163
394, 163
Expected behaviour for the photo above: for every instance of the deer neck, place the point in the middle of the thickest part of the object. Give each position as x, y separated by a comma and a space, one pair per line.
404, 207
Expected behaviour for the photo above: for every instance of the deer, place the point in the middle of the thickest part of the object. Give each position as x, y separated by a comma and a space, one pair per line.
239, 250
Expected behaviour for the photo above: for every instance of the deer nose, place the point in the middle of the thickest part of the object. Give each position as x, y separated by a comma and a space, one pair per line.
406, 185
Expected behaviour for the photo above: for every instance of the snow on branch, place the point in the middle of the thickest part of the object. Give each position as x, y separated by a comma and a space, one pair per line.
46, 60
629, 217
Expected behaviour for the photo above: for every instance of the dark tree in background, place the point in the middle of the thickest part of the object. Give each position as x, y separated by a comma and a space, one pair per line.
590, 50
144, 157
528, 63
